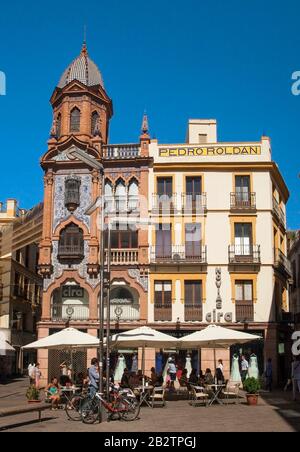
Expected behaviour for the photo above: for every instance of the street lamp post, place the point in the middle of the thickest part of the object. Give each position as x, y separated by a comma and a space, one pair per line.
75, 153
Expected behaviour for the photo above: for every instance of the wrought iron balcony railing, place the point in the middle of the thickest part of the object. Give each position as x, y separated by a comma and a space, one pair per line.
243, 201
74, 312
282, 262
244, 254
179, 254
278, 211
165, 203
194, 202
123, 311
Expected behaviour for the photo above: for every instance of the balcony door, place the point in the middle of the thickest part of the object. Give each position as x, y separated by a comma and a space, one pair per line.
163, 301
164, 241
193, 187
244, 301
165, 187
243, 190
193, 301
193, 241
243, 239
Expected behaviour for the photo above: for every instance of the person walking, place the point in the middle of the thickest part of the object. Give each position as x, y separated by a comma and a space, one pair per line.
94, 377
296, 377
269, 375
37, 375
244, 368
172, 371
220, 373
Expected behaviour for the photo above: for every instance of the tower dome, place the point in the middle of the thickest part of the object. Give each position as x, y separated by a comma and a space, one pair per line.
82, 69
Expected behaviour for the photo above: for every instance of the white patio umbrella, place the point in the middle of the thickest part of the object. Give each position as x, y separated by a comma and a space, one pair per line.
216, 337
5, 348
67, 339
143, 337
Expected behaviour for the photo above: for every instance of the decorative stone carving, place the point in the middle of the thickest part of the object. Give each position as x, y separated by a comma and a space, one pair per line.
142, 280
62, 157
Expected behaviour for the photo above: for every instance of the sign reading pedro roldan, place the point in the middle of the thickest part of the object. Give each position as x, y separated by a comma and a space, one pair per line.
209, 151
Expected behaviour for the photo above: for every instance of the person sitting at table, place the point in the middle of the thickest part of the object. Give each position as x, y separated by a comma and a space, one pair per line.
125, 380
153, 378
184, 378
201, 378
53, 393
208, 377
159, 380
193, 380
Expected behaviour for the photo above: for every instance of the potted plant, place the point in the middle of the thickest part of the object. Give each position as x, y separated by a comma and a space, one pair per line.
252, 387
33, 395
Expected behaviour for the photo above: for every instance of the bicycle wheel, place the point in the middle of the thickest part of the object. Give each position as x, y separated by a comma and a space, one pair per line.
131, 409
89, 411
73, 408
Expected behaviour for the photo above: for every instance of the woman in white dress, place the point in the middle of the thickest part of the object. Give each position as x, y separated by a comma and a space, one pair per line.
253, 371
188, 365
235, 375
119, 371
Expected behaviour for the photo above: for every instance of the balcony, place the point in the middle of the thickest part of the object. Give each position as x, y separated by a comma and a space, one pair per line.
163, 312
124, 257
244, 258
63, 313
72, 200
123, 311
164, 204
278, 212
121, 152
193, 313
178, 255
243, 202
244, 311
282, 264
68, 253
196, 203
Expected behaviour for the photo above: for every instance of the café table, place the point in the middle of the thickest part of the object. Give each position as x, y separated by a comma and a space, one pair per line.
144, 393
216, 392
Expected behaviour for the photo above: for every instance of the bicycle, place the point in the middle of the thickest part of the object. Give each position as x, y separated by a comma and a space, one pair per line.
124, 405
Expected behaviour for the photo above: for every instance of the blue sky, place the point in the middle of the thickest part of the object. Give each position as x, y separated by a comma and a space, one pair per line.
228, 60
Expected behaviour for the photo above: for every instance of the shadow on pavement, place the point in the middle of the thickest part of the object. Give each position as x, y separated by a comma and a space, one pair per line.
25, 424
285, 407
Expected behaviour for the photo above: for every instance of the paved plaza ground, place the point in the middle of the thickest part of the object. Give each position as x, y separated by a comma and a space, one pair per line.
276, 413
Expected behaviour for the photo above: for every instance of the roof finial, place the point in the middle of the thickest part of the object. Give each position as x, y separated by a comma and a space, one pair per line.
84, 46
145, 125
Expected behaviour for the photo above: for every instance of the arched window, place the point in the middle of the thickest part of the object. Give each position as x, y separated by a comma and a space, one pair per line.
133, 196
75, 120
95, 118
71, 244
121, 197
109, 197
58, 126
